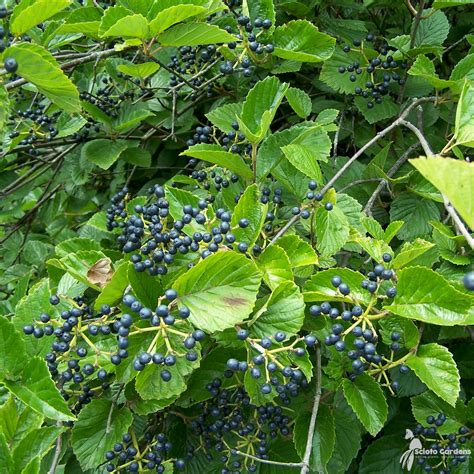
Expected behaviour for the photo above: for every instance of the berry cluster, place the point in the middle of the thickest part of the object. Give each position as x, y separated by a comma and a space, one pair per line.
229, 423
151, 231
132, 455
193, 61
273, 364
32, 124
445, 451
82, 354
171, 336
383, 70
74, 361
359, 328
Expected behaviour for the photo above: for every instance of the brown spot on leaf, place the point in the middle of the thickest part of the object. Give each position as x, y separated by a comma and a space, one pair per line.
234, 301
101, 272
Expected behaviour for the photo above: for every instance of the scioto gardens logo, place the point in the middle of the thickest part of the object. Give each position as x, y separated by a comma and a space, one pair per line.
432, 449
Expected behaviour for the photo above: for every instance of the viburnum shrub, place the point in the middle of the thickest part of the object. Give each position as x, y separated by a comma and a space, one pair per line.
236, 236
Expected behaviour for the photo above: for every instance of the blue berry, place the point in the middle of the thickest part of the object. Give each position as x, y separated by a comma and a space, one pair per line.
344, 289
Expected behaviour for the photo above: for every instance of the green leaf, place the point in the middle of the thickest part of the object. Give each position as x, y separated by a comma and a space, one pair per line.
4, 106
260, 108
366, 398
425, 295
435, 366
172, 15
224, 116
36, 444
428, 404
284, 311
259, 9
348, 437
464, 69
215, 154
425, 68
383, 455
459, 191
141, 71
392, 230
8, 419
319, 287
331, 76
5, 455
220, 291
13, 355
433, 29
178, 198
84, 20
111, 17
378, 112
29, 13
102, 152
307, 149
130, 26
149, 383
250, 208
113, 291
78, 265
410, 251
39, 67
35, 303
323, 441
464, 127
67, 124
130, 115
95, 432
192, 34
300, 40
299, 101
299, 252
415, 212
75, 245
14, 425
35, 252
36, 389
332, 230
406, 328
275, 265
137, 156
451, 3
145, 287
270, 154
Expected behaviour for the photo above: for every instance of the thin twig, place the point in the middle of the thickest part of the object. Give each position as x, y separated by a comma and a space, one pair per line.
57, 453
267, 461
314, 413
359, 181
344, 168
398, 164
448, 206
375, 139
336, 136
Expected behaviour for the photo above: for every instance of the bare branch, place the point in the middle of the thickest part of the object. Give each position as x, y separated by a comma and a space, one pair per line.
359, 153
375, 139
267, 461
398, 164
314, 413
448, 206
57, 453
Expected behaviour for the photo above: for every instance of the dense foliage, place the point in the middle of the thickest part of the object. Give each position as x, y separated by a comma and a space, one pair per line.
236, 236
